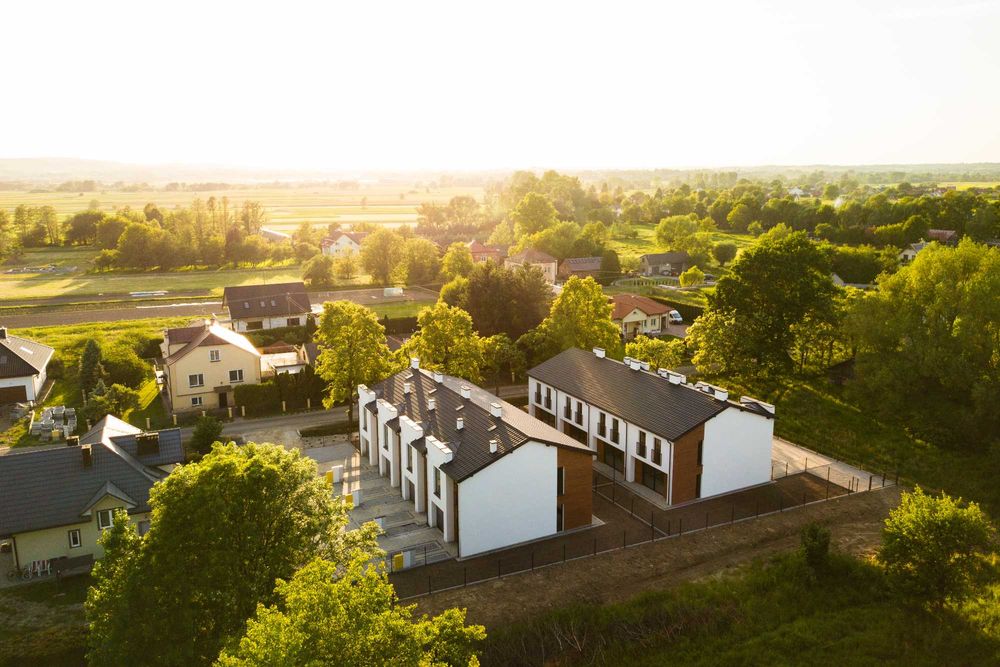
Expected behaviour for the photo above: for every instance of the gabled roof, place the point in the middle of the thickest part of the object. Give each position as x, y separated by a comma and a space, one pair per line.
581, 264
475, 247
357, 237
20, 357
471, 444
943, 235
626, 303
52, 487
276, 300
666, 258
205, 336
532, 256
639, 397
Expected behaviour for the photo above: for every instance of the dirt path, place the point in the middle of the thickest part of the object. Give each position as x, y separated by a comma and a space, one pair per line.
855, 522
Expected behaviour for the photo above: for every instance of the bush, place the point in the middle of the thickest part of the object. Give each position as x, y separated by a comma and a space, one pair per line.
399, 325
295, 390
123, 366
56, 369
207, 430
816, 547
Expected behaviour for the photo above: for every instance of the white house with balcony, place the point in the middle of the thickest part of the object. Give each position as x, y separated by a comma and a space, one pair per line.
681, 441
479, 469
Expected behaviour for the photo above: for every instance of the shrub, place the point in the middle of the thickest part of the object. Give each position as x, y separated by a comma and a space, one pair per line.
816, 547
206, 431
123, 366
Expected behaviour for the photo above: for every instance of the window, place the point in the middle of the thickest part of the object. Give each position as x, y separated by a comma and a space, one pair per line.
560, 481
548, 398
256, 325
697, 486
196, 380
143, 527
559, 517
409, 459
236, 376
196, 401
568, 408
614, 430
292, 322
437, 482
106, 518
578, 417
246, 305
641, 445
385, 441
701, 451
601, 424
657, 454
214, 355
654, 479
74, 538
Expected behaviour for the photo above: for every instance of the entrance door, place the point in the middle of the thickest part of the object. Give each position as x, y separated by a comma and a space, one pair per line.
439, 519
223, 399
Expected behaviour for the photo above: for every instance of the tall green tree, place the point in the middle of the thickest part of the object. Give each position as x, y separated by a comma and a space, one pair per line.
420, 263
381, 253
91, 366
349, 615
353, 351
724, 252
580, 317
658, 352
446, 341
223, 531
748, 328
319, 271
533, 214
503, 361
457, 261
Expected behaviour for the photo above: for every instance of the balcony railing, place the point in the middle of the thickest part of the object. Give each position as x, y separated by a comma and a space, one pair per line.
578, 417
614, 434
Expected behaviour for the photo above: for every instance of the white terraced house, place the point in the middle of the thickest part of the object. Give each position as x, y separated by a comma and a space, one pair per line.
484, 472
683, 441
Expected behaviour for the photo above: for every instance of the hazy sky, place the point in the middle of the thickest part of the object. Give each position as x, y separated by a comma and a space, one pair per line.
363, 84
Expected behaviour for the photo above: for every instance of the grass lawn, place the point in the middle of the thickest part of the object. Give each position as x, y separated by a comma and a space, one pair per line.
775, 613
400, 309
43, 624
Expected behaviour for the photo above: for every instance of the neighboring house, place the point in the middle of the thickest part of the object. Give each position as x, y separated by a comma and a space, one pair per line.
948, 237
681, 441
837, 280
22, 368
255, 307
909, 253
664, 263
202, 365
634, 315
485, 473
484, 253
531, 257
343, 243
580, 266
797, 192
280, 358
56, 502
275, 236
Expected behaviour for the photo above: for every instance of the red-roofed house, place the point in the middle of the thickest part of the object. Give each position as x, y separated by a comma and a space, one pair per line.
548, 264
636, 315
343, 243
484, 253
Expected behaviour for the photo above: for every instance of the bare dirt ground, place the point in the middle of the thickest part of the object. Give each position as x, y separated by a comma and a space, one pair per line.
855, 523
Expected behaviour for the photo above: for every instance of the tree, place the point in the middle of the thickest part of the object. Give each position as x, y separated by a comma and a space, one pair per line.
816, 547
319, 271
114, 400
353, 351
123, 366
502, 359
381, 253
504, 300
533, 214
82, 227
724, 252
456, 293
457, 261
91, 368
420, 262
345, 266
580, 317
137, 246
223, 531
755, 228
658, 352
350, 612
740, 217
692, 277
749, 326
672, 230
933, 547
446, 341
207, 431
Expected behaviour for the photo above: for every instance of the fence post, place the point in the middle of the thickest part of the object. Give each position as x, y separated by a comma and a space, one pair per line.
624, 539
243, 411
147, 423
786, 468
870, 482
173, 417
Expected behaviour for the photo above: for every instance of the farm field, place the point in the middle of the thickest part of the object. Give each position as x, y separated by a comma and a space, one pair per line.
287, 207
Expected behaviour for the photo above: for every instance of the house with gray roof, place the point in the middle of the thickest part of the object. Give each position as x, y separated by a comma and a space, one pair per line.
682, 441
56, 502
23, 364
256, 307
664, 263
482, 471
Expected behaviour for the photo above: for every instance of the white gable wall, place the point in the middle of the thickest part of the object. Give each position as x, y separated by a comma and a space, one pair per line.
510, 501
736, 451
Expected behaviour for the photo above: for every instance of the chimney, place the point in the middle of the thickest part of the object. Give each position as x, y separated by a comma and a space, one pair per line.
496, 409
72, 440
494, 444
438, 377
721, 394
645, 365
459, 423
414, 362
676, 378
466, 392
635, 365
407, 387
88, 456
599, 352
431, 403
3, 333
627, 361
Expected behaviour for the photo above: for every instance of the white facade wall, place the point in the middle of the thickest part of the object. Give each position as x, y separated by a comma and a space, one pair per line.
31, 385
344, 245
412, 468
388, 449
367, 424
240, 324
736, 452
438, 454
510, 501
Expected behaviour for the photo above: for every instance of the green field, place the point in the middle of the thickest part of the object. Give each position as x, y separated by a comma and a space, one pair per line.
286, 207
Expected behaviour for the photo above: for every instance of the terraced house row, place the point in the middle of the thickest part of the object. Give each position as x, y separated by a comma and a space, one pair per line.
683, 441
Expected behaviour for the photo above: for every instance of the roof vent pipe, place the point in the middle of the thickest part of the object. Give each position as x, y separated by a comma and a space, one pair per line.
494, 444
431, 403
407, 387
459, 423
438, 377
414, 362
599, 352
627, 361
721, 394
466, 391
635, 365
496, 409
645, 365
674, 379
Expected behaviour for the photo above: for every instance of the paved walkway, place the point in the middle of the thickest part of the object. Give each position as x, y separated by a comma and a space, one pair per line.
788, 458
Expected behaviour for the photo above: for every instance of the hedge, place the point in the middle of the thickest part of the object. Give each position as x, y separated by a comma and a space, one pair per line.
399, 325
294, 389
339, 428
687, 311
